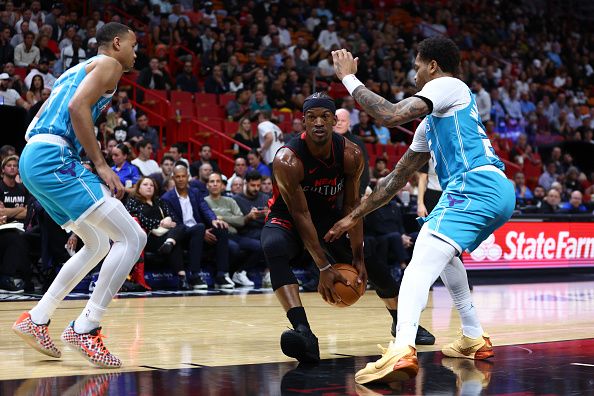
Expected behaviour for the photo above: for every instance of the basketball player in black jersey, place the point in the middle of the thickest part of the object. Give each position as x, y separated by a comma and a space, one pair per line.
315, 182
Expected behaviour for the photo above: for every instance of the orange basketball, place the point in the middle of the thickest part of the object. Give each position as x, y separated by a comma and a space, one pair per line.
348, 294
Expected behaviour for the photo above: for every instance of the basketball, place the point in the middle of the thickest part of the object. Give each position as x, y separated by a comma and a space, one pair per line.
348, 294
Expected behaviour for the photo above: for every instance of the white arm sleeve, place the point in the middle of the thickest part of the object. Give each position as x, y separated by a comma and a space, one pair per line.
447, 94
419, 143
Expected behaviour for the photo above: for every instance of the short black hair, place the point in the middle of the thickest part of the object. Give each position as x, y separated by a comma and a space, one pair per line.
142, 144
178, 146
443, 51
123, 148
109, 31
167, 157
252, 175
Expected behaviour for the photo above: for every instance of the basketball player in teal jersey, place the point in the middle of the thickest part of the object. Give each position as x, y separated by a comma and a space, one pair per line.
50, 167
477, 198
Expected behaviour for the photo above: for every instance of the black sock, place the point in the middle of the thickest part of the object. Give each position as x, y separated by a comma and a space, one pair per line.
296, 316
394, 313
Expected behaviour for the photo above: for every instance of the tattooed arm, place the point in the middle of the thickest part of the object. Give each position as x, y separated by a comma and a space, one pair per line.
410, 162
389, 113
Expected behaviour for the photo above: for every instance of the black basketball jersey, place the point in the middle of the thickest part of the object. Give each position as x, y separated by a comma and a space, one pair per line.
322, 184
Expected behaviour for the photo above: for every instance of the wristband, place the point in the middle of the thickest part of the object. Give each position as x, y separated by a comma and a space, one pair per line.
325, 268
351, 83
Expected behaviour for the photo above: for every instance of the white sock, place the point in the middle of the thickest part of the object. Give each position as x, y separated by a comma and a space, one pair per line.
455, 279
89, 319
72, 272
430, 256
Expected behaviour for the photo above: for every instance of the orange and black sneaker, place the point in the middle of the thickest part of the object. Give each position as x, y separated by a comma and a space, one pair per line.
470, 348
396, 364
36, 335
90, 345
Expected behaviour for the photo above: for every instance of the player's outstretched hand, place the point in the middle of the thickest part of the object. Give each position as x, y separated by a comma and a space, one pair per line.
339, 228
112, 180
326, 285
360, 267
344, 64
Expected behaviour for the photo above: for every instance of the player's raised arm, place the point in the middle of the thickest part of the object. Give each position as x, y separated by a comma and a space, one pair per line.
353, 168
391, 114
410, 162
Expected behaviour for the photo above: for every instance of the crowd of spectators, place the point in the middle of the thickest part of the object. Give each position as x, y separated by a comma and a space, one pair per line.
532, 76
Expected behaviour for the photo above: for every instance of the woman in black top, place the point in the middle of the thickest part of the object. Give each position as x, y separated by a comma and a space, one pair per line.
154, 217
246, 136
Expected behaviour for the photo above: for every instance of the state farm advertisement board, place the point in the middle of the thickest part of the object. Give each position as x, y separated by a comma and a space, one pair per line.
523, 244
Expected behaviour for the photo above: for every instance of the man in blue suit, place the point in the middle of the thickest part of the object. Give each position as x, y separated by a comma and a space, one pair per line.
199, 224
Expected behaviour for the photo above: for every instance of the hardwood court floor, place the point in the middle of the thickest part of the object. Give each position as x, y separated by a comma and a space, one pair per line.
236, 329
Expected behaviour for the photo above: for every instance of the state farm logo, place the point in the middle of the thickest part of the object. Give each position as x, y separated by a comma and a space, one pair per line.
487, 250
520, 247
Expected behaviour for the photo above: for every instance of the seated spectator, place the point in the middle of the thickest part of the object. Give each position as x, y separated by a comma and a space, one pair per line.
73, 54
254, 206
216, 83
34, 92
575, 204
549, 176
205, 158
236, 187
550, 204
46, 48
42, 70
381, 132
200, 225
177, 152
348, 103
266, 186
186, 81
6, 49
364, 129
155, 217
200, 181
240, 106
522, 152
227, 210
572, 182
259, 102
143, 161
142, 131
296, 130
165, 173
380, 169
523, 194
255, 163
539, 194
236, 82
122, 106
14, 259
127, 172
26, 53
152, 77
239, 171
245, 135
8, 96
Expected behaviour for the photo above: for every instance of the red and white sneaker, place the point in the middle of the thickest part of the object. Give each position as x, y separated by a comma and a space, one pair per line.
90, 345
36, 335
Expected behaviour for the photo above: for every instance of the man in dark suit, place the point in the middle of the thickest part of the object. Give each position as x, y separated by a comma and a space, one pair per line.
200, 224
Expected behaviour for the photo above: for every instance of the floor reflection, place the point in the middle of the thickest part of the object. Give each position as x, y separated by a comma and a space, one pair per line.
546, 368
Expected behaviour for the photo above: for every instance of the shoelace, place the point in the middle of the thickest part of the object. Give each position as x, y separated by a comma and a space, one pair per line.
97, 340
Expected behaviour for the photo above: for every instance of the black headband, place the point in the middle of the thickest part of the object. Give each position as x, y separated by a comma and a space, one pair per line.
319, 102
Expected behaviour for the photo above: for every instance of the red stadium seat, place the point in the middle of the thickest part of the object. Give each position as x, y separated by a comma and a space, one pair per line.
205, 99
226, 98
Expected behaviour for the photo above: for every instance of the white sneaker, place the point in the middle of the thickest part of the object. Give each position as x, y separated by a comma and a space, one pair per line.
240, 278
266, 282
